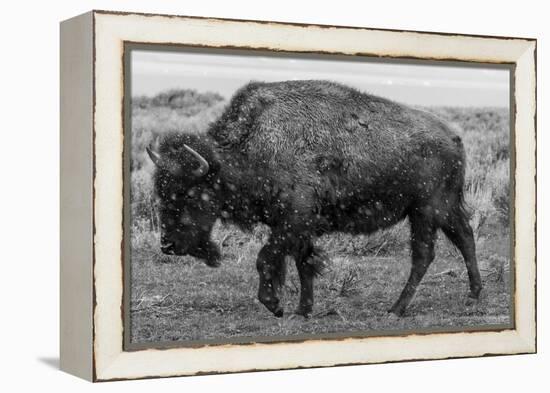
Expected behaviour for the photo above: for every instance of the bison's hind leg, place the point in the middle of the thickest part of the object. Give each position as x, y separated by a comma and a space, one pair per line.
457, 228
423, 230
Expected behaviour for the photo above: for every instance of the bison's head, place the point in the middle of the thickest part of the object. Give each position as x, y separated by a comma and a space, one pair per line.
186, 185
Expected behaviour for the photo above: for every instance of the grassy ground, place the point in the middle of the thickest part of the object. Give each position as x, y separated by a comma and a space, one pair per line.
179, 298
182, 299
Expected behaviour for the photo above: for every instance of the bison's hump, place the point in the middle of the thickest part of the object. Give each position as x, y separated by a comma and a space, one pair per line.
312, 109
294, 123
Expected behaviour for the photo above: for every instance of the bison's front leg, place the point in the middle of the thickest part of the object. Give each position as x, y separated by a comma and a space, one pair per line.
309, 262
306, 273
272, 270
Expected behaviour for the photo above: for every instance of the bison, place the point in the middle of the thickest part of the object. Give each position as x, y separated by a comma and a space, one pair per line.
308, 158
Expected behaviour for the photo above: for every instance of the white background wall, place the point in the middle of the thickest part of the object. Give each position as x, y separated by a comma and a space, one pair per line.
29, 196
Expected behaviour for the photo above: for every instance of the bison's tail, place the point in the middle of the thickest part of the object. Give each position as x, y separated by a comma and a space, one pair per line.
458, 180
462, 207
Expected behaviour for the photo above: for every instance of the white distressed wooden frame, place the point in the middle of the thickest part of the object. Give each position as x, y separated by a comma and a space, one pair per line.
92, 195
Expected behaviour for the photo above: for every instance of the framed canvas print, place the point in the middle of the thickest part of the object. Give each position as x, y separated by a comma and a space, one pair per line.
246, 195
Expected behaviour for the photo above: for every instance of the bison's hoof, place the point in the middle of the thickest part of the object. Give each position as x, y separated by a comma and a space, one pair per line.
275, 308
397, 310
392, 318
474, 297
304, 311
213, 263
475, 293
272, 305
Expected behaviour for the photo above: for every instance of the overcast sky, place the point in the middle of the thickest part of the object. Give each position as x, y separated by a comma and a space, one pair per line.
155, 71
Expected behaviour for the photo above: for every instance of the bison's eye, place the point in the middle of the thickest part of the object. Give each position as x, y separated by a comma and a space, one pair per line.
186, 220
169, 207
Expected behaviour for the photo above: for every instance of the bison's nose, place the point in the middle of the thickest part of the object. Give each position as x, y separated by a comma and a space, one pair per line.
167, 248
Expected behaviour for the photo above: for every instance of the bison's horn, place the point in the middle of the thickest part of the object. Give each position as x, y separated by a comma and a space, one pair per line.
167, 164
155, 157
203, 168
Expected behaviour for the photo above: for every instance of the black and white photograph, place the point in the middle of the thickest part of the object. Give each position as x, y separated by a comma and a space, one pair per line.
275, 197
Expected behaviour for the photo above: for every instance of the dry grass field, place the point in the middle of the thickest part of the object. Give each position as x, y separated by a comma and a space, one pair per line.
181, 299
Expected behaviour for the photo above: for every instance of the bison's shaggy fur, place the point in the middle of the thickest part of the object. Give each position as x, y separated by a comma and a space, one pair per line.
311, 157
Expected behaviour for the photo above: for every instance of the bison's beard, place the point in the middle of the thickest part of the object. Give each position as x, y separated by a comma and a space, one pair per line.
207, 251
